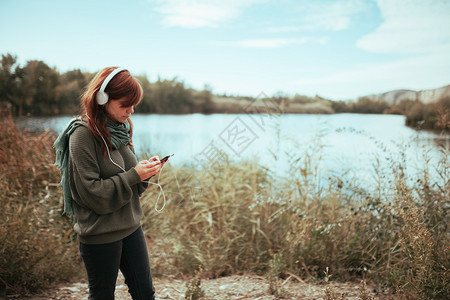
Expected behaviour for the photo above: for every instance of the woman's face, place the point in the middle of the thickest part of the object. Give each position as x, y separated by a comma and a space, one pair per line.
117, 111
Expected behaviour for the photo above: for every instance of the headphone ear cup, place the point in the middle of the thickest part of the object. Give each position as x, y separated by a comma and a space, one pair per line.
102, 98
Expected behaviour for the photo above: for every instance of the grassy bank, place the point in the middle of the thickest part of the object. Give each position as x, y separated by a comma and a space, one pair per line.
241, 218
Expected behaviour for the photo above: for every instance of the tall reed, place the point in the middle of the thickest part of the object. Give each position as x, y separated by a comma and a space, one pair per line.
236, 218
240, 217
36, 242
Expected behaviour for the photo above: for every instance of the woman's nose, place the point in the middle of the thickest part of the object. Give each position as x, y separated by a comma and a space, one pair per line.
130, 109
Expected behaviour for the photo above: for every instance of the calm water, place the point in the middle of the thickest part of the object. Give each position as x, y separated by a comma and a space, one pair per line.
338, 144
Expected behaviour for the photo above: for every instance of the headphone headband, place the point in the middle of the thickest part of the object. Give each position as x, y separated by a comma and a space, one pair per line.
102, 97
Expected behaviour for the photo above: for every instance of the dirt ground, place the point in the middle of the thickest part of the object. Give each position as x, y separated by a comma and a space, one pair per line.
230, 288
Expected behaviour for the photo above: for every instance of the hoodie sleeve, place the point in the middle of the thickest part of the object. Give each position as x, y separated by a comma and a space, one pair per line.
102, 195
142, 185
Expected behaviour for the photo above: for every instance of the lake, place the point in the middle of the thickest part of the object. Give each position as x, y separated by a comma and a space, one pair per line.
337, 144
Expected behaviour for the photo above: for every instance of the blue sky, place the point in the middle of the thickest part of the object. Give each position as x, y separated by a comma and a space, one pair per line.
340, 49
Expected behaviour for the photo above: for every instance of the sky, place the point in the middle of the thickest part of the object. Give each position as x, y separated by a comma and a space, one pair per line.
339, 50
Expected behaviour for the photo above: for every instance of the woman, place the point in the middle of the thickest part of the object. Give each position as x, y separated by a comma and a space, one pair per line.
102, 182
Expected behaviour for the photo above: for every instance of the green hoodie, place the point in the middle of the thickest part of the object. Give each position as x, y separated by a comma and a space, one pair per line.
105, 199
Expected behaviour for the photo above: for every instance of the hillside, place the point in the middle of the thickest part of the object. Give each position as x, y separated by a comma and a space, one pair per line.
297, 104
424, 96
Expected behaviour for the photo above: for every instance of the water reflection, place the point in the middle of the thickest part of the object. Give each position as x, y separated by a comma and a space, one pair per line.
339, 145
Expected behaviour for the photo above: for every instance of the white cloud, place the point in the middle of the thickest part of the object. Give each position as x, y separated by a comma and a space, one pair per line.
200, 13
273, 42
324, 15
410, 26
423, 72
416, 29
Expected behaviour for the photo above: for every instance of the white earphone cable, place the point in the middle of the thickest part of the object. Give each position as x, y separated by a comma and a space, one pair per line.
161, 191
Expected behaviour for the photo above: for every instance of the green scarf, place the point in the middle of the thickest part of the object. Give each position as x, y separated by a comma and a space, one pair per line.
120, 133
119, 137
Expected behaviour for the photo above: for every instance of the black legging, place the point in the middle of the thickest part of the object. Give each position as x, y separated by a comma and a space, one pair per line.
103, 261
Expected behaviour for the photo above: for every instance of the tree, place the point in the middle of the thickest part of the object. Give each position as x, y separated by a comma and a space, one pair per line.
146, 104
170, 96
69, 90
366, 105
202, 102
39, 88
8, 79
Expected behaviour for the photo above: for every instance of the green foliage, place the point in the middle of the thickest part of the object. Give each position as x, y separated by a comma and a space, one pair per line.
40, 90
171, 96
9, 90
69, 91
38, 84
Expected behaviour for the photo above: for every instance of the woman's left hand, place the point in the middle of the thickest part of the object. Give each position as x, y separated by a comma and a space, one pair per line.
148, 168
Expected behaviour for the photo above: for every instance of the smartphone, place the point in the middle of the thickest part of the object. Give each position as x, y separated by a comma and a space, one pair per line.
165, 158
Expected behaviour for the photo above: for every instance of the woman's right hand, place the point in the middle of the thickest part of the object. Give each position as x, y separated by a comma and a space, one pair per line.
148, 168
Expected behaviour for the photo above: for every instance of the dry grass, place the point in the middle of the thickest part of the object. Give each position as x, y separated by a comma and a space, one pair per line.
36, 243
240, 219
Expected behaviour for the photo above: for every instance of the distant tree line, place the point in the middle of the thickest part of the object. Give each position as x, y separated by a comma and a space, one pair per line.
434, 116
37, 89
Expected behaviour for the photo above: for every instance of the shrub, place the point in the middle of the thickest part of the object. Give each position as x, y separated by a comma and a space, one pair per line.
435, 116
36, 242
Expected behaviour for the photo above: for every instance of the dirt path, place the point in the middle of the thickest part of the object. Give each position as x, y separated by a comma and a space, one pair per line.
230, 288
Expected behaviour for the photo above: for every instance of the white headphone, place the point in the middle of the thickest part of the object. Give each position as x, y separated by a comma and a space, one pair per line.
102, 97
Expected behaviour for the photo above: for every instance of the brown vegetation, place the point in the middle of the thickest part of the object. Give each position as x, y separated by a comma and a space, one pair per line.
238, 219
36, 243
435, 116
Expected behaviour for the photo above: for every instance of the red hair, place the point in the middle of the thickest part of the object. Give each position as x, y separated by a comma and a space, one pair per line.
122, 85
